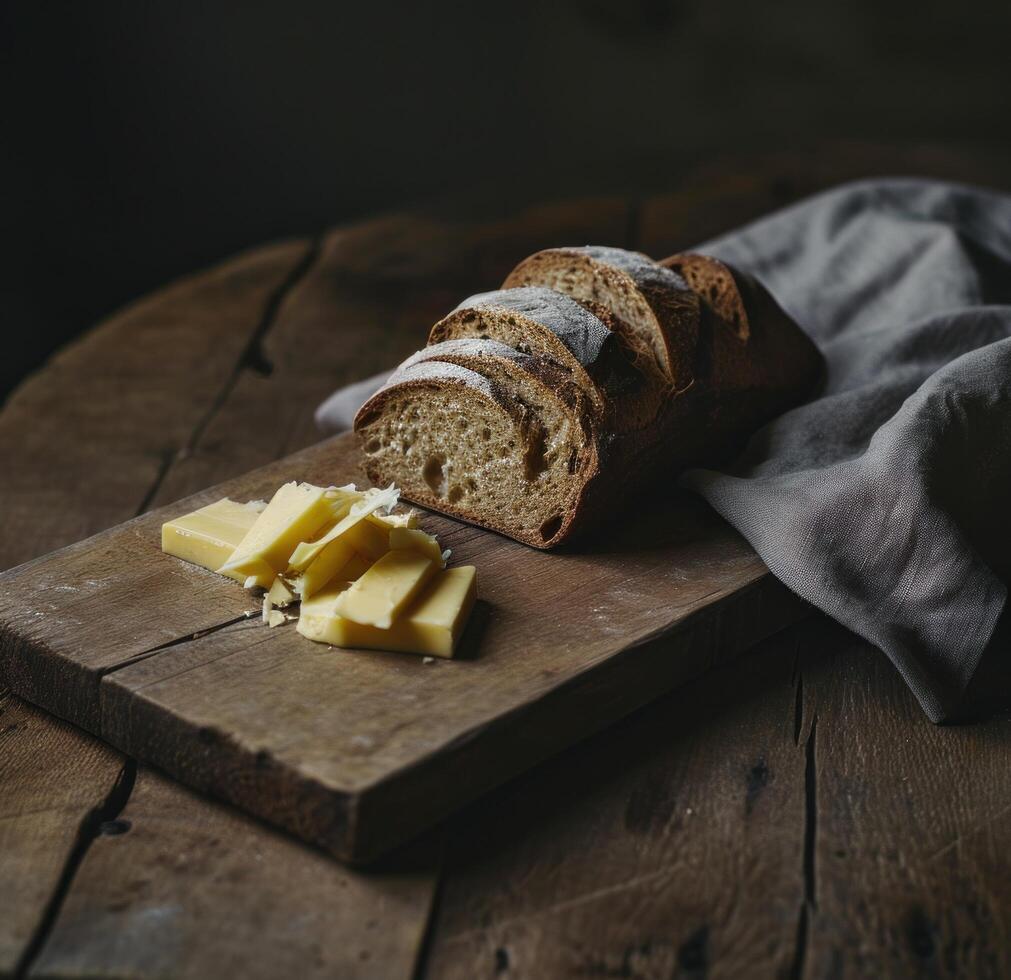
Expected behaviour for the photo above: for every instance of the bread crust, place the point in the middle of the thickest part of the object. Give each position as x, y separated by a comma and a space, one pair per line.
664, 339
547, 323
558, 328
480, 354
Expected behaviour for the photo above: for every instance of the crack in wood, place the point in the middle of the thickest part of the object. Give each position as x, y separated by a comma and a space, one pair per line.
809, 903
161, 678
796, 971
798, 708
810, 817
421, 959
252, 358
178, 641
94, 824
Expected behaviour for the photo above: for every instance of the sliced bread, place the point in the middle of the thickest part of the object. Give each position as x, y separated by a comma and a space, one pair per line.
543, 322
655, 312
518, 417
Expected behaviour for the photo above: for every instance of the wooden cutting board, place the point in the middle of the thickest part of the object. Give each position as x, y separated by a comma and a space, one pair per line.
356, 751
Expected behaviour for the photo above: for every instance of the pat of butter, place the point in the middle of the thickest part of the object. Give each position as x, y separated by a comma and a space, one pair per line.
295, 513
317, 563
209, 536
432, 625
327, 569
370, 538
381, 594
309, 550
408, 539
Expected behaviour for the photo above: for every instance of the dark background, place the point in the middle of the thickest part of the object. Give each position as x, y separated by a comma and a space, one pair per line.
144, 141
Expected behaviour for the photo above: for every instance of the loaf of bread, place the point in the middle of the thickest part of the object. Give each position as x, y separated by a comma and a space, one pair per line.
535, 408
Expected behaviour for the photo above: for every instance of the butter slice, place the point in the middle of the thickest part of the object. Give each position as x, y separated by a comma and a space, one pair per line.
309, 550
371, 539
355, 568
412, 539
321, 572
382, 593
295, 513
432, 626
209, 536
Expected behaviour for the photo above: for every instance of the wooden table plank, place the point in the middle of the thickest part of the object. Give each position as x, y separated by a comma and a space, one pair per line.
910, 866
186, 888
670, 845
56, 787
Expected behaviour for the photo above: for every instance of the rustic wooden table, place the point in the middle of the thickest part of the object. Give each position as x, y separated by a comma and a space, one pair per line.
792, 815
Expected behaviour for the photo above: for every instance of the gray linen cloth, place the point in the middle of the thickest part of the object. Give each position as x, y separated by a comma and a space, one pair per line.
885, 500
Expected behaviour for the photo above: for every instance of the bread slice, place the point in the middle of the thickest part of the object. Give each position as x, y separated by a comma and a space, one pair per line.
511, 447
655, 313
541, 384
543, 322
540, 321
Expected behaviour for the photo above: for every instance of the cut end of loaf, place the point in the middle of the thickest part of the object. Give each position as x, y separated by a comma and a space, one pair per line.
715, 286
